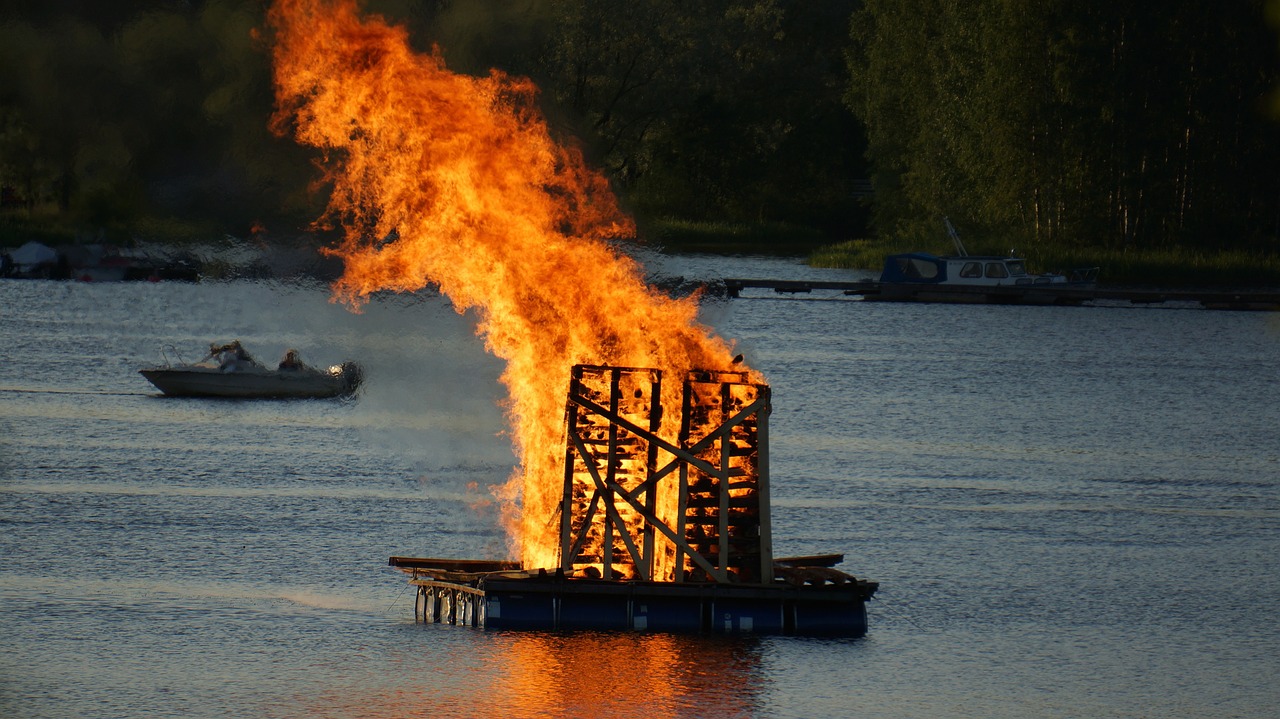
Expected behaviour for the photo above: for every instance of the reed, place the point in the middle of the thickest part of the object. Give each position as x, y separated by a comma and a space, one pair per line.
775, 238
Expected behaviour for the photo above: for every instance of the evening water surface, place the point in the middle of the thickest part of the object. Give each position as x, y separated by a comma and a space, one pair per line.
1073, 512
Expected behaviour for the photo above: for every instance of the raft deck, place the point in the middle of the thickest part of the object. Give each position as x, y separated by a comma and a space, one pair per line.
809, 596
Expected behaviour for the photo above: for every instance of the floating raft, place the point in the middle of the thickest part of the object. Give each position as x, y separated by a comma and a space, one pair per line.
1042, 294
668, 533
808, 597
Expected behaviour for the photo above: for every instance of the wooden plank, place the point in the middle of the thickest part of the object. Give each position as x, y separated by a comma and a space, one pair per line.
454, 565
812, 560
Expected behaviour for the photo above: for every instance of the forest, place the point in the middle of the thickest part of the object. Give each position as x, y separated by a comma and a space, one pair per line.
1065, 129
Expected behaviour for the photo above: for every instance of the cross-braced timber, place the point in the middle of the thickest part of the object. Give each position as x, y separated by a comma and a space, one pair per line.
661, 528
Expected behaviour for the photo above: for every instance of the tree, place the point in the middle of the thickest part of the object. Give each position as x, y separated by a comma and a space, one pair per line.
718, 109
154, 109
1058, 124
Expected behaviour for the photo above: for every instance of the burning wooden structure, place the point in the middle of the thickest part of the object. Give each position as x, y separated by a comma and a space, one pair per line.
654, 534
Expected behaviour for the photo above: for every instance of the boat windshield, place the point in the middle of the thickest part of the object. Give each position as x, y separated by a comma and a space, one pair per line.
917, 269
1017, 268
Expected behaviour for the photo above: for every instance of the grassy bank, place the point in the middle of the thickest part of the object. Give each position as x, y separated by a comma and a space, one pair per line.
675, 235
1176, 267
1179, 267
17, 227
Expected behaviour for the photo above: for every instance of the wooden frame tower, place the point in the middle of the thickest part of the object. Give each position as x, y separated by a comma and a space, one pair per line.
639, 507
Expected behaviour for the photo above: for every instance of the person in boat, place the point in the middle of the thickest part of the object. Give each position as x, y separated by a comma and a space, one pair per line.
290, 361
230, 356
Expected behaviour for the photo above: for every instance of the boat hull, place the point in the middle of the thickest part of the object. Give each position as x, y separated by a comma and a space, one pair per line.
267, 384
1043, 294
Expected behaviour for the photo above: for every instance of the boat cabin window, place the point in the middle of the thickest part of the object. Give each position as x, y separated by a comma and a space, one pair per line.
996, 269
1017, 268
971, 269
917, 269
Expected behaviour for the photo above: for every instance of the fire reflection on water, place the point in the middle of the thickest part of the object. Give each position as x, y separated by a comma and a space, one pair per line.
535, 674
604, 674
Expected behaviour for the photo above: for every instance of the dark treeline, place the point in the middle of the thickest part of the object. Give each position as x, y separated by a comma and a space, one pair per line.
1113, 124
723, 111
1110, 124
114, 112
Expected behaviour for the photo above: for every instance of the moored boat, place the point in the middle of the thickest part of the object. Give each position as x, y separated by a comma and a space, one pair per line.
1004, 279
971, 271
923, 268
229, 371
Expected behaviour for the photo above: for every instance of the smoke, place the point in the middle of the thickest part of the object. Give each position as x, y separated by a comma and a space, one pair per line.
430, 393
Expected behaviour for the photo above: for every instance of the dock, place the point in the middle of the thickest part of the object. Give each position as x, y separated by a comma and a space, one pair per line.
1034, 294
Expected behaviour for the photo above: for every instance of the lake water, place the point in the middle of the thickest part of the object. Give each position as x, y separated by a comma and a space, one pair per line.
1073, 512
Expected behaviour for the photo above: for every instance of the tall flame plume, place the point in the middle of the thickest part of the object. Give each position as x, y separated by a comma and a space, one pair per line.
454, 180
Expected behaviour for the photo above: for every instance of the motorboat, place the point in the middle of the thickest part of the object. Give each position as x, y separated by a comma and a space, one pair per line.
229, 371
923, 268
975, 271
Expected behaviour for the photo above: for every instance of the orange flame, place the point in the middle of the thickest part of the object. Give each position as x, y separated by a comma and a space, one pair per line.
455, 180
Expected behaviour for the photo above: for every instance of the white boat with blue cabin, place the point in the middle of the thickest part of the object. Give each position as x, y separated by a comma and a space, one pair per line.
962, 277
974, 270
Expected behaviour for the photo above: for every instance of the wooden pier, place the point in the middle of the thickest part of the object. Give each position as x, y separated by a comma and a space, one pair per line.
1042, 294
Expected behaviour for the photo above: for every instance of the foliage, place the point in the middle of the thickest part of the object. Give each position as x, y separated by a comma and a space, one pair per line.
681, 235
1115, 128
1053, 125
119, 113
715, 110
859, 254
720, 110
